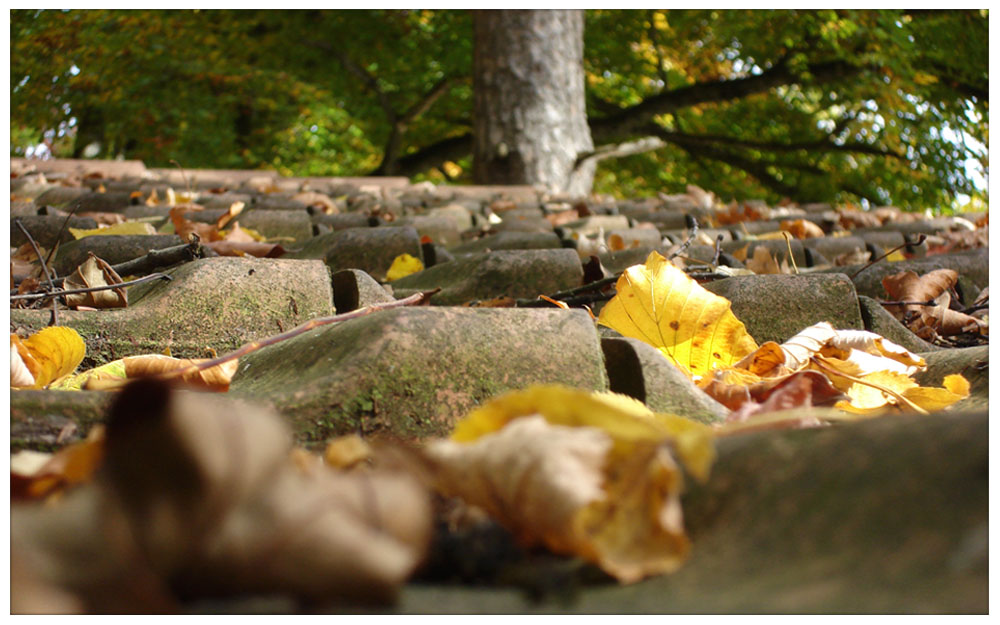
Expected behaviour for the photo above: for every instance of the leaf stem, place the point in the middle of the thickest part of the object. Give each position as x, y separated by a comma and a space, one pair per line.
856, 380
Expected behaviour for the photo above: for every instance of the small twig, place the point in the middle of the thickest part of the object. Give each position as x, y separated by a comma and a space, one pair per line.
187, 185
591, 286
920, 239
788, 244
45, 269
718, 250
578, 301
154, 259
904, 303
93, 289
693, 224
414, 300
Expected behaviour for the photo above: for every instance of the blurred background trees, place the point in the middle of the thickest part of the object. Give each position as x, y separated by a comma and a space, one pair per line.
884, 106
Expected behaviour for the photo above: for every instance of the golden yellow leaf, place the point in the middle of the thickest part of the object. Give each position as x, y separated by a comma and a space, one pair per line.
50, 354
20, 377
868, 397
107, 375
344, 452
590, 474
694, 328
129, 227
402, 266
71, 465
955, 388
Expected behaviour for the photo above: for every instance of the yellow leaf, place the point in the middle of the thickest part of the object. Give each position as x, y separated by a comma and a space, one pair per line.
51, 353
590, 474
112, 372
129, 227
402, 266
869, 397
694, 328
930, 399
347, 451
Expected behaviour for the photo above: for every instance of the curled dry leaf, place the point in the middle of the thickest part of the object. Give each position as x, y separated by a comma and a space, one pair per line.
855, 257
35, 475
203, 490
802, 389
762, 262
246, 248
318, 201
585, 474
49, 354
183, 227
234, 209
907, 286
116, 373
802, 228
694, 328
95, 272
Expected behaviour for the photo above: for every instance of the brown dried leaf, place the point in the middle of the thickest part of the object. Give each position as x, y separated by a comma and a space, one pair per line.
245, 248
35, 476
857, 257
204, 490
95, 272
802, 229
762, 262
317, 200
216, 378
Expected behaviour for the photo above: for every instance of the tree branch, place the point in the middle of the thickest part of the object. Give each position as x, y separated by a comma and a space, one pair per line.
820, 145
628, 120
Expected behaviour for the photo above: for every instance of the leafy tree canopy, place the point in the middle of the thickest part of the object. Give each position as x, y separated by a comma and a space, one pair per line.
837, 105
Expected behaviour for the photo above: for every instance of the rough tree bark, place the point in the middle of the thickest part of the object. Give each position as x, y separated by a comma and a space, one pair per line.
530, 113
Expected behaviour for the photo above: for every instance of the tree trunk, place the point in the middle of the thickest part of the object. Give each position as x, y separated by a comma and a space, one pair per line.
530, 113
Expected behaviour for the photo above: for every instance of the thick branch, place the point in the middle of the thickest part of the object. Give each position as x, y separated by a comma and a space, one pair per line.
820, 145
400, 125
627, 123
450, 149
629, 120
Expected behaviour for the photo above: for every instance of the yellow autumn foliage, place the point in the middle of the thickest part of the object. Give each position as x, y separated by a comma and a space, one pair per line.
694, 328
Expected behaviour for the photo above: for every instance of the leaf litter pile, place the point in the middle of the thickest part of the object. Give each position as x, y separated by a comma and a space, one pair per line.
184, 495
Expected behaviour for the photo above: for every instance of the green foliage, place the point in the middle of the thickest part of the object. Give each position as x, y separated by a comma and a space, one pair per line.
355, 92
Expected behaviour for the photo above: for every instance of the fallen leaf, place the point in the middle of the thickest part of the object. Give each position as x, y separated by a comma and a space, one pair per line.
317, 200
50, 353
762, 262
246, 248
694, 328
126, 228
116, 373
205, 491
231, 213
590, 474
34, 475
95, 272
345, 452
402, 266
802, 229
